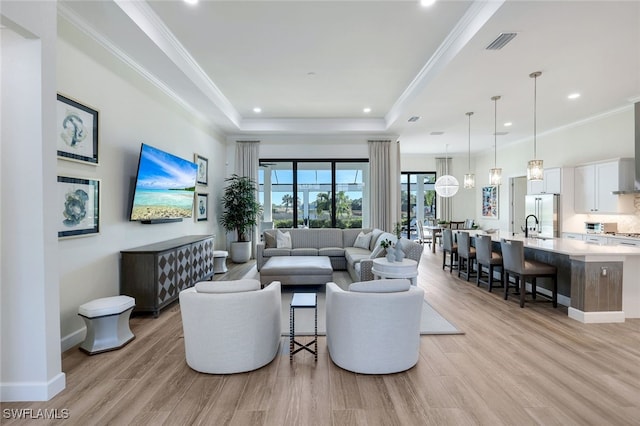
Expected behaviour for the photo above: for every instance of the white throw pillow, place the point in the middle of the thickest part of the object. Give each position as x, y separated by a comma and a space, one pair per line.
375, 234
283, 239
227, 286
363, 240
377, 252
380, 286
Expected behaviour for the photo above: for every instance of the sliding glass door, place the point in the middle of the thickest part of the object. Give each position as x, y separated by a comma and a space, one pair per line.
417, 200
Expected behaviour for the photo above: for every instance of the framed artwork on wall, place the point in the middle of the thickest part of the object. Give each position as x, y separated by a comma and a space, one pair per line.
203, 169
78, 207
490, 202
202, 207
76, 131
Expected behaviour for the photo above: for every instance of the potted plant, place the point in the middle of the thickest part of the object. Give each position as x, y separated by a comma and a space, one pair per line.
241, 212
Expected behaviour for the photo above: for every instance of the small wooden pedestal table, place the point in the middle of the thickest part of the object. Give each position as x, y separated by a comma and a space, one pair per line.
408, 269
303, 301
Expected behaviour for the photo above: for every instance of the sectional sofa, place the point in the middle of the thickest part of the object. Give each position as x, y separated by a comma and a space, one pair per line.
342, 246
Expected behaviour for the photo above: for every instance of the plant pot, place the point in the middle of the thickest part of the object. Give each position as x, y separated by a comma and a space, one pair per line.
240, 251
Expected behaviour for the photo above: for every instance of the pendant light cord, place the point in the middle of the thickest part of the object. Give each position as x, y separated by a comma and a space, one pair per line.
535, 109
469, 114
495, 131
535, 76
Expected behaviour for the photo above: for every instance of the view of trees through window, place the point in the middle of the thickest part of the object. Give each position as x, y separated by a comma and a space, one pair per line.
301, 193
418, 201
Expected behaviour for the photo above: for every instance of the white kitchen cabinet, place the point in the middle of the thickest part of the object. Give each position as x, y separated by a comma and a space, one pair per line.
595, 239
551, 184
618, 241
573, 236
594, 184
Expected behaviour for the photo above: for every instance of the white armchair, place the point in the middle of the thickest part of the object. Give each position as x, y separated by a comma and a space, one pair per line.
230, 326
374, 328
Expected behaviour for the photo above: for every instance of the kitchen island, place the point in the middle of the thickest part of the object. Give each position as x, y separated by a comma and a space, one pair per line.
599, 283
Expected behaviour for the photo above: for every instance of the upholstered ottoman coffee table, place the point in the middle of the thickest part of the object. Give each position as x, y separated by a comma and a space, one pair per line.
297, 270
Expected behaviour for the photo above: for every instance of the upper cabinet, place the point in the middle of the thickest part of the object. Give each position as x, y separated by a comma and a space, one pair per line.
551, 184
594, 184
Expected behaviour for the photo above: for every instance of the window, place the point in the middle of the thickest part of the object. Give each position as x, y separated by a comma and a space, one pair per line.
314, 193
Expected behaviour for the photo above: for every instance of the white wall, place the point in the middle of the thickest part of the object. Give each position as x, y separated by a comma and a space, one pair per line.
131, 111
30, 368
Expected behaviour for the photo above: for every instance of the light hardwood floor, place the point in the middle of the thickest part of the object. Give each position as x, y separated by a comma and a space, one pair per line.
512, 366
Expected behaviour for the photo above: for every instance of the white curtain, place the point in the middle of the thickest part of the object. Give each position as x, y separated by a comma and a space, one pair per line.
382, 183
443, 165
247, 158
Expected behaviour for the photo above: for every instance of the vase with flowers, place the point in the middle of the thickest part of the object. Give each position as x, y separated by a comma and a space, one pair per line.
387, 245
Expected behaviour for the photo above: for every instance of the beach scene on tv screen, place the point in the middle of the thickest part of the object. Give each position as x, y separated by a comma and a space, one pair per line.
165, 186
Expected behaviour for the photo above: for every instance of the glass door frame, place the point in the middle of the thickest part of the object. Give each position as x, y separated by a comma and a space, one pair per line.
406, 187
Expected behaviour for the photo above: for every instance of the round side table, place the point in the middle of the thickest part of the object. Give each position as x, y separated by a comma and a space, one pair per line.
408, 269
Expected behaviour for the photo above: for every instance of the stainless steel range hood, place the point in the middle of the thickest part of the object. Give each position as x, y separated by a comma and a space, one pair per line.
636, 187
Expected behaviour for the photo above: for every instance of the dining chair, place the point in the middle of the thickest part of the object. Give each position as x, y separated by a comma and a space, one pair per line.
516, 265
448, 246
466, 255
457, 224
424, 238
486, 258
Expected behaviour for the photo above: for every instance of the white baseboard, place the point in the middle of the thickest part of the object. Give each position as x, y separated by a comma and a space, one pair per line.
75, 338
596, 317
32, 391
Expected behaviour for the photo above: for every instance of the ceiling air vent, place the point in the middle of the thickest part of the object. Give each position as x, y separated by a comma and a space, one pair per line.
501, 41
437, 133
413, 119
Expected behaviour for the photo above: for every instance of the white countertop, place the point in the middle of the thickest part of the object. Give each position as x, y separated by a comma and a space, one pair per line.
568, 246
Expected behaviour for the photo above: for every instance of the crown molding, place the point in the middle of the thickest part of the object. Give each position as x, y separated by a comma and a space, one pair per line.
74, 19
148, 21
314, 125
471, 22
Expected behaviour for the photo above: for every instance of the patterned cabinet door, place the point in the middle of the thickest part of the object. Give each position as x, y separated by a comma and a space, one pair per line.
183, 268
166, 276
208, 257
202, 255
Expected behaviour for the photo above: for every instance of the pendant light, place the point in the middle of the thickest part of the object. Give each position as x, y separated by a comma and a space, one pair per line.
495, 174
535, 170
469, 178
446, 185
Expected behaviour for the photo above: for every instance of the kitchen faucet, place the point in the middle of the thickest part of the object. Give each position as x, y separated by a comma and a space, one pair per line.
526, 224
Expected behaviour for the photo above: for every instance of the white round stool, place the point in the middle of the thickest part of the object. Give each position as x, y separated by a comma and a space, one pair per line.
220, 261
107, 321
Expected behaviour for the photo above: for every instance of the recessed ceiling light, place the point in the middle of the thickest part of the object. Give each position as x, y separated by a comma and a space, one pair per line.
508, 124
574, 96
366, 110
427, 3
257, 110
191, 1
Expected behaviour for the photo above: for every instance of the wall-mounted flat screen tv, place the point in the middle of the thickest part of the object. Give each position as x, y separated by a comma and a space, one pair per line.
165, 187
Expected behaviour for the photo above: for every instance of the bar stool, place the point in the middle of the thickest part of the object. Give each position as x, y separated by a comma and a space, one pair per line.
466, 255
448, 246
516, 265
485, 257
